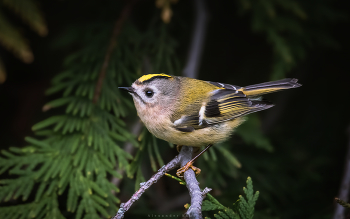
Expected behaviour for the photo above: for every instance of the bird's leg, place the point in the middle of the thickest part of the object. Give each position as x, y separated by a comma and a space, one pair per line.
180, 172
178, 148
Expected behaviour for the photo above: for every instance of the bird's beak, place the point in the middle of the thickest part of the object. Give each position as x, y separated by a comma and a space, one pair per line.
128, 89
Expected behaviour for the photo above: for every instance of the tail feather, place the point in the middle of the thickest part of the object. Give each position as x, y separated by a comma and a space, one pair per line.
269, 87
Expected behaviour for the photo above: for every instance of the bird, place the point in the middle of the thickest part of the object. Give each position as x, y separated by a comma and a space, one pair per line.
196, 113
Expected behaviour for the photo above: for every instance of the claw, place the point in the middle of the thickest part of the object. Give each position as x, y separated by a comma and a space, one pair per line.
180, 172
196, 170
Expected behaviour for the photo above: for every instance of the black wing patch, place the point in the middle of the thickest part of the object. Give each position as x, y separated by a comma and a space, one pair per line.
212, 109
187, 123
226, 105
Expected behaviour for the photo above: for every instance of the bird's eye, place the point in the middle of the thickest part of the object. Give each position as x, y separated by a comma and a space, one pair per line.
149, 93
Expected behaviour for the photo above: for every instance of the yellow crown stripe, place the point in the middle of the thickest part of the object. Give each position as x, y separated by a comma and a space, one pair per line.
150, 76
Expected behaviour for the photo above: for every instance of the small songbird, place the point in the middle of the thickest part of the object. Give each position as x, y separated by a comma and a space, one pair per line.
191, 112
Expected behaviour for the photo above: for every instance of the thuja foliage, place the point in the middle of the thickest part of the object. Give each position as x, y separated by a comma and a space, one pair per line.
160, 46
291, 28
12, 37
221, 155
74, 154
243, 208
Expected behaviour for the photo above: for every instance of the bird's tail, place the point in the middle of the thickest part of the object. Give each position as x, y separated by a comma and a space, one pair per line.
269, 87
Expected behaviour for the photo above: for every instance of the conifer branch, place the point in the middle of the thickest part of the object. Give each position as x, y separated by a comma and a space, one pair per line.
339, 212
112, 43
199, 202
191, 70
185, 154
144, 186
196, 194
129, 148
136, 129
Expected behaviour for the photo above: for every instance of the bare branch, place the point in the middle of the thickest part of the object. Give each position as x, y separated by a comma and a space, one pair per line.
198, 37
144, 186
197, 196
339, 212
191, 70
185, 155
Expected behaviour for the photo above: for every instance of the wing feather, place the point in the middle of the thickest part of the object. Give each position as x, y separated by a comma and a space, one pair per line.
228, 102
226, 105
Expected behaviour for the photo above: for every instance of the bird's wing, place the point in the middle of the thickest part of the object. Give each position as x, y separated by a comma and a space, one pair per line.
188, 123
223, 105
226, 104
225, 86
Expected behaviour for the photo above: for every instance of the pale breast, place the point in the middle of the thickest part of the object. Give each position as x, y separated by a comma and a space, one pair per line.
156, 119
200, 137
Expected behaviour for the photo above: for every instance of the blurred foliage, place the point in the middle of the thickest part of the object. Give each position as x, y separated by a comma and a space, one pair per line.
291, 27
251, 133
65, 170
165, 5
11, 37
77, 151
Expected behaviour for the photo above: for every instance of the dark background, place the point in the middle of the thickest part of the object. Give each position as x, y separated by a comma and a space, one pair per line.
308, 127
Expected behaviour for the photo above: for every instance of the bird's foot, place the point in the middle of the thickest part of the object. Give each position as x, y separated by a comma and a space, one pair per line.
180, 172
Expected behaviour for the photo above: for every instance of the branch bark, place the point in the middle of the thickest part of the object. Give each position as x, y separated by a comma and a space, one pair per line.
191, 70
197, 41
339, 212
196, 194
185, 155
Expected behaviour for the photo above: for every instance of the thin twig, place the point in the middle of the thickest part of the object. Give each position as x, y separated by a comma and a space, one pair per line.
339, 212
144, 186
191, 70
113, 41
197, 196
183, 157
